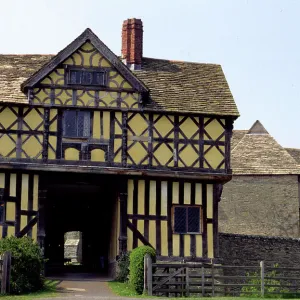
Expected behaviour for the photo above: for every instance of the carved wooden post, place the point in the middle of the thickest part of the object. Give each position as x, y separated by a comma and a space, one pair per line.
262, 278
123, 218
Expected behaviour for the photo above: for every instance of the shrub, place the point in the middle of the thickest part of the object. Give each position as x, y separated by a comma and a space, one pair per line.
136, 267
123, 267
27, 264
270, 291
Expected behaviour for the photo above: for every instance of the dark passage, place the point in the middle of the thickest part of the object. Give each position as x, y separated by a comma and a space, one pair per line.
77, 202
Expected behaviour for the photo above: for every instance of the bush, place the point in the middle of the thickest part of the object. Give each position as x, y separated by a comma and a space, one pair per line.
270, 291
123, 267
27, 264
136, 267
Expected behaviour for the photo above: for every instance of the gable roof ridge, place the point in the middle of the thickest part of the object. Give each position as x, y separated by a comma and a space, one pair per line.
87, 36
233, 148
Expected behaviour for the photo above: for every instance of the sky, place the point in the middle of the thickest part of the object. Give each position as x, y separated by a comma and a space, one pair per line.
256, 42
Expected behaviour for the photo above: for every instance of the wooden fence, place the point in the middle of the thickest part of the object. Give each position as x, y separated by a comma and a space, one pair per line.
199, 279
5, 269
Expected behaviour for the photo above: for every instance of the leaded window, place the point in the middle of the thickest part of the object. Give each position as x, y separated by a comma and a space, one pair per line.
77, 123
187, 219
96, 77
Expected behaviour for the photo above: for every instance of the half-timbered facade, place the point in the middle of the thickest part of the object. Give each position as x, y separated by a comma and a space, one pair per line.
145, 142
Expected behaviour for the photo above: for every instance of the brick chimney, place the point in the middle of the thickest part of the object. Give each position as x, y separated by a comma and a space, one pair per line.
132, 43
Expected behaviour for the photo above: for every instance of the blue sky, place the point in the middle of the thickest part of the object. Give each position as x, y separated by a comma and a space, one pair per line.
256, 42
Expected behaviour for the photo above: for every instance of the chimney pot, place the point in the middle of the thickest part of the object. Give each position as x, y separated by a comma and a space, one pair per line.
132, 43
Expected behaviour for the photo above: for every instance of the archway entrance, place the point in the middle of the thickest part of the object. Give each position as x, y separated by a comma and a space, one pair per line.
82, 204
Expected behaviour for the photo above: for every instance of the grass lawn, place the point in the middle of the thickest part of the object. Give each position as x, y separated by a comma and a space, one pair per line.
48, 291
124, 290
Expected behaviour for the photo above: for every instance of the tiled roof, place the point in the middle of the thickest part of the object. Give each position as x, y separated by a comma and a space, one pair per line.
257, 153
295, 153
174, 86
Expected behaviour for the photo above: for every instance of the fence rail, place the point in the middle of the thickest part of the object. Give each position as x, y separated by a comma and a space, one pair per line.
184, 279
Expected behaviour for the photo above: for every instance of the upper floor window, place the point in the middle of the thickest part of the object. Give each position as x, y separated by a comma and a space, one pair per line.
186, 219
76, 123
87, 76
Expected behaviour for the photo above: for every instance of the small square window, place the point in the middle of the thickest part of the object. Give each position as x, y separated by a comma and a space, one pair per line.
76, 123
187, 219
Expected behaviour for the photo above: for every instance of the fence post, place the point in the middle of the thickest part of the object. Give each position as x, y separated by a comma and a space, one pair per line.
202, 281
145, 275
5, 281
149, 274
262, 278
212, 280
187, 281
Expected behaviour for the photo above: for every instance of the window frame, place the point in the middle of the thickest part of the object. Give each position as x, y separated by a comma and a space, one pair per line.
76, 124
69, 69
186, 206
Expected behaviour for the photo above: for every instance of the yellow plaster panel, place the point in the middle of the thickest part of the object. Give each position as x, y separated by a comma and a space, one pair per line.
8, 145
137, 152
164, 198
8, 118
163, 126
108, 99
2, 180
187, 193
209, 200
96, 125
98, 155
118, 150
130, 197
106, 125
210, 242
175, 192
55, 78
214, 129
141, 197
189, 156
10, 211
1, 228
11, 231
118, 129
23, 222
35, 191
198, 194
52, 141
162, 154
13, 185
189, 129
152, 198
138, 124
140, 227
164, 238
25, 192
31, 146
129, 100
187, 245
34, 119
53, 125
176, 242
34, 232
199, 245
63, 97
85, 98
41, 96
152, 233
129, 239
214, 157
71, 154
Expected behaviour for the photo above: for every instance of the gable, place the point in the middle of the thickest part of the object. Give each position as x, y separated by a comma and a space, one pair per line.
85, 73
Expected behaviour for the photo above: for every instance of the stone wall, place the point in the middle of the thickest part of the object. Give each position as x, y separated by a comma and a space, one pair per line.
247, 250
260, 205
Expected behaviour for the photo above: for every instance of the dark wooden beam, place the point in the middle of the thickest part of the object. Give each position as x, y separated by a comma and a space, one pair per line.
28, 227
123, 194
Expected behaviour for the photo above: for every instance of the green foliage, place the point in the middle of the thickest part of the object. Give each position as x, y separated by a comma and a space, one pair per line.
123, 267
27, 264
255, 291
136, 266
